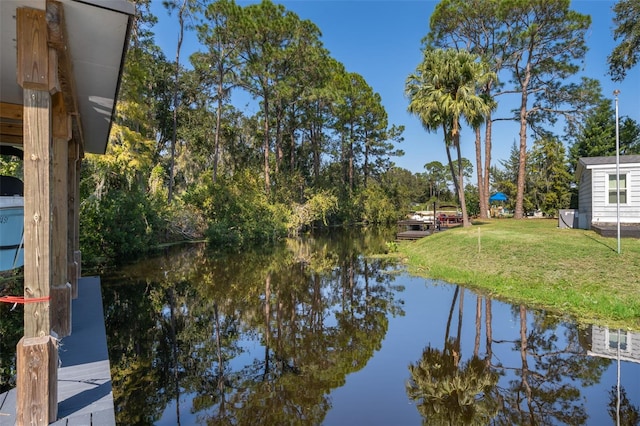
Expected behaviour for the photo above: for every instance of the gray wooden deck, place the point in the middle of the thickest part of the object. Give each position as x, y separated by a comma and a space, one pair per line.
610, 230
84, 377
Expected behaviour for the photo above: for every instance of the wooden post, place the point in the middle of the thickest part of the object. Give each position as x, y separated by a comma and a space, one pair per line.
59, 42
37, 361
72, 195
73, 209
77, 254
37, 202
61, 289
37, 399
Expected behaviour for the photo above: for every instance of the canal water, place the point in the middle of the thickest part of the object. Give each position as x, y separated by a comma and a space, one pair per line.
320, 331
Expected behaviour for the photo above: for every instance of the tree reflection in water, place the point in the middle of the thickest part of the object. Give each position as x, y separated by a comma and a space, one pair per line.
545, 388
621, 410
269, 337
318, 308
449, 392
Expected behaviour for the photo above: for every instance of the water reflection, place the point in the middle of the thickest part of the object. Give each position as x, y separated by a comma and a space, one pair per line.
187, 323
449, 391
316, 332
617, 345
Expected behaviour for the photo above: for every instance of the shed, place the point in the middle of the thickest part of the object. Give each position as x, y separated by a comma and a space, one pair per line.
597, 191
60, 70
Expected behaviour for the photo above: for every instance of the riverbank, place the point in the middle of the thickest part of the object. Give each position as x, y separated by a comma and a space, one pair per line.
568, 271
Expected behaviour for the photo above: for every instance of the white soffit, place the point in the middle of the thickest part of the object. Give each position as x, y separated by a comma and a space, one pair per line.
97, 32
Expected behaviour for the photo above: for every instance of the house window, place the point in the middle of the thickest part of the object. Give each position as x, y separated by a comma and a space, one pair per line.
613, 189
618, 338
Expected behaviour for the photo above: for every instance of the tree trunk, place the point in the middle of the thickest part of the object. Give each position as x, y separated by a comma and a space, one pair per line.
489, 331
351, 159
216, 145
365, 166
487, 161
481, 193
522, 159
267, 178
174, 136
454, 175
476, 342
451, 169
315, 134
278, 147
525, 364
463, 204
450, 317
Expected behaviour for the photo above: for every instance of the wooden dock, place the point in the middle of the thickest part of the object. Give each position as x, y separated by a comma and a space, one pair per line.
413, 229
84, 376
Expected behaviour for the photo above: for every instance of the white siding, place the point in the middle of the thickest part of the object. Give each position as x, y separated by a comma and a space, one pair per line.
584, 200
605, 212
600, 337
633, 192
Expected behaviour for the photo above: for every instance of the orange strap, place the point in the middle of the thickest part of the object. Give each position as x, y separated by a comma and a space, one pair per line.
21, 300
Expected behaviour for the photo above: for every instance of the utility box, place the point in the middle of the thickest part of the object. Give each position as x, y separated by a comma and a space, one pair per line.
568, 218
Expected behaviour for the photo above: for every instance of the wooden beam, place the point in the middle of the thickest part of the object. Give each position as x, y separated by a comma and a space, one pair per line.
65, 81
11, 130
11, 111
33, 51
11, 140
73, 220
60, 288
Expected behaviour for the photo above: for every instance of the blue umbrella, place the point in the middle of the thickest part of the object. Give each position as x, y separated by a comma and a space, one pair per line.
498, 196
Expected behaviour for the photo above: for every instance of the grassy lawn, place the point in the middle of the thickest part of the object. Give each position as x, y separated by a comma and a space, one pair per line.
568, 271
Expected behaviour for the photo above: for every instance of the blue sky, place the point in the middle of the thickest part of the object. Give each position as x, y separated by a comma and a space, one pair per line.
380, 40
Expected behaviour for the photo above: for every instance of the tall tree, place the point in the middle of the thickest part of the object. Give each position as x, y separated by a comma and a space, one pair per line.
481, 33
362, 123
537, 41
310, 74
185, 10
550, 175
352, 109
318, 110
597, 135
441, 92
625, 55
219, 64
379, 149
504, 179
270, 46
549, 41
436, 177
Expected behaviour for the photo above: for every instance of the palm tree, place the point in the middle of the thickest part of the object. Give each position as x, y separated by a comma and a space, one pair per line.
447, 392
442, 91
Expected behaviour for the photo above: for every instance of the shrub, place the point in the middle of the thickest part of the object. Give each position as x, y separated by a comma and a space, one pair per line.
117, 226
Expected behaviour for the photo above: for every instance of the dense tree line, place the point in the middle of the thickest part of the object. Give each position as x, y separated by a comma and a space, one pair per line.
185, 162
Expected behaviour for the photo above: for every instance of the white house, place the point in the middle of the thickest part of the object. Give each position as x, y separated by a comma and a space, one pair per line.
597, 191
613, 344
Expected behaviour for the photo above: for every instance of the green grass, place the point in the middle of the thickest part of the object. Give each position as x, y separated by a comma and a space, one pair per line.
567, 271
